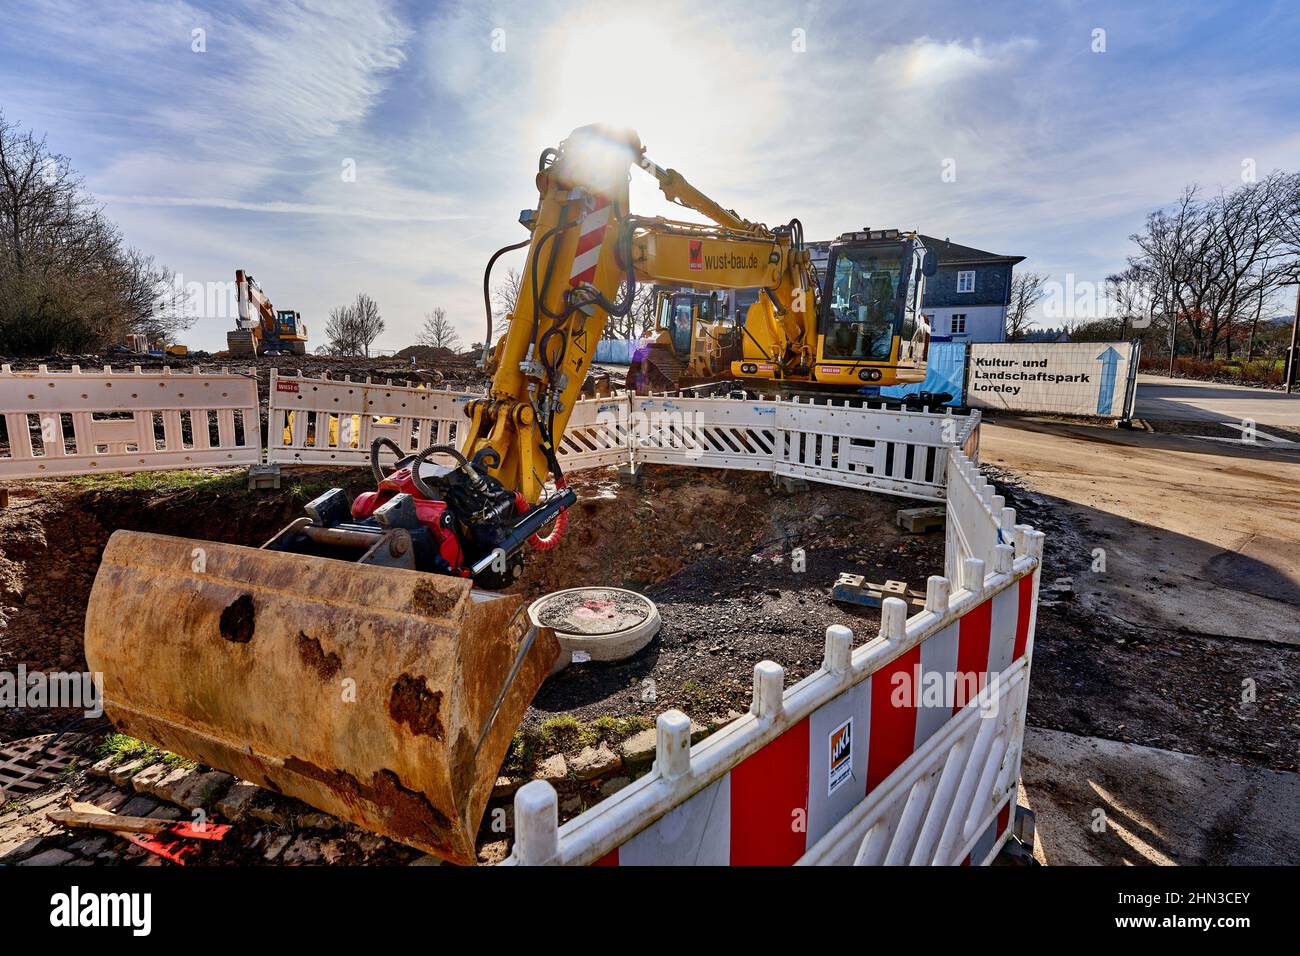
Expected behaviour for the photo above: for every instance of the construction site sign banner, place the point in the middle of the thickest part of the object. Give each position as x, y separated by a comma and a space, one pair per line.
1067, 378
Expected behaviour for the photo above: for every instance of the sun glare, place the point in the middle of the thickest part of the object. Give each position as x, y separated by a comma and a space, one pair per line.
633, 71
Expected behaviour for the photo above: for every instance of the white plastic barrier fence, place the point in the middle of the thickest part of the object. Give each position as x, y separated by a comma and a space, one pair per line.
905, 750
890, 450
880, 449
705, 432
968, 436
979, 519
322, 421
78, 423
599, 433
897, 452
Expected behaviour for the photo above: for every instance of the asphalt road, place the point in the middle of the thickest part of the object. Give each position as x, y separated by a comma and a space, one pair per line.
1218, 529
1102, 802
1220, 526
1184, 400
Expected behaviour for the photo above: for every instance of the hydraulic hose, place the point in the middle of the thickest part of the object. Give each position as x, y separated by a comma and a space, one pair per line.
423, 456
487, 291
561, 523
375, 446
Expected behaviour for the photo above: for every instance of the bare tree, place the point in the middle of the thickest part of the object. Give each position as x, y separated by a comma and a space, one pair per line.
640, 318
1026, 292
369, 323
341, 330
67, 279
438, 331
1211, 264
505, 299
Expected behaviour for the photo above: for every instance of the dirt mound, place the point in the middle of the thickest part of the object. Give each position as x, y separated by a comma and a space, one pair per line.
433, 356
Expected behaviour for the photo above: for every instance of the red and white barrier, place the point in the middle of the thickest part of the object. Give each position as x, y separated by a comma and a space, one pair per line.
903, 750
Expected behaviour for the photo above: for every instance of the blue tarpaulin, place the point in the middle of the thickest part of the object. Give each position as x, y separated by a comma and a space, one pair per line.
616, 351
945, 371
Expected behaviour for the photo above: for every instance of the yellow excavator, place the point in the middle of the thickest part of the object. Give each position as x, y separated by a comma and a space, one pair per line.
362, 659
692, 340
862, 330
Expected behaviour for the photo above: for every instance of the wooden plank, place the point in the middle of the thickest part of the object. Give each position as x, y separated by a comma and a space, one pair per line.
107, 821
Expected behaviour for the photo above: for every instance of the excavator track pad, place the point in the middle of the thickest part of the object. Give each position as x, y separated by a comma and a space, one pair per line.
384, 696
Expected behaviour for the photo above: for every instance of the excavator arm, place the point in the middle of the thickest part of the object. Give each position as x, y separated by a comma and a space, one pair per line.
587, 254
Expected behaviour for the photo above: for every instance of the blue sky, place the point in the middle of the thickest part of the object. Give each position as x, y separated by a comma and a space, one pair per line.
234, 157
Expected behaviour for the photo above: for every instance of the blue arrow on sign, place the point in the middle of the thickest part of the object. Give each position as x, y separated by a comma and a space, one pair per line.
1109, 360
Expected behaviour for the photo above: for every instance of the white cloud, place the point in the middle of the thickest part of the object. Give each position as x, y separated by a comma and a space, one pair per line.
928, 63
232, 158
292, 208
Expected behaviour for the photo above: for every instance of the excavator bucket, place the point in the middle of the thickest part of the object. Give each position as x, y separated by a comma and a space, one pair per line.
384, 696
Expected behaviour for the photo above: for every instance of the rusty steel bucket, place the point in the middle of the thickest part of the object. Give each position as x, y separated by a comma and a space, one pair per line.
384, 696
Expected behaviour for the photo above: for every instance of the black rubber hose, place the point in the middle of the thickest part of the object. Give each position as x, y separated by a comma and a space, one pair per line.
539, 297
487, 290
377, 444
422, 457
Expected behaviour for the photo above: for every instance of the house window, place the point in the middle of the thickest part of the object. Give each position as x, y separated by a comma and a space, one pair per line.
959, 323
966, 281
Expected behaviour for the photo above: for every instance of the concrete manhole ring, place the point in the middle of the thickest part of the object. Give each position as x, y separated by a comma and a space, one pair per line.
598, 624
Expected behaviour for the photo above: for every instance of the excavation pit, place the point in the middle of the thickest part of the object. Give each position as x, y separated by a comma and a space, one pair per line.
738, 570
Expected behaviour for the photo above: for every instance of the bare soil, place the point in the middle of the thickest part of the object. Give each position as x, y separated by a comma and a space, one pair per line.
713, 549
716, 552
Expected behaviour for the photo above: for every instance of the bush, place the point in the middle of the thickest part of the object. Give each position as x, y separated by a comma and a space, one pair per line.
1258, 372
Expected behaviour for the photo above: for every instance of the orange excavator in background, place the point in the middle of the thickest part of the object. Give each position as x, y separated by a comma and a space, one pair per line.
362, 660
261, 329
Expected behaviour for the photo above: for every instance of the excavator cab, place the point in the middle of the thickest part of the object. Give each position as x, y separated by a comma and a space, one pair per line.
870, 310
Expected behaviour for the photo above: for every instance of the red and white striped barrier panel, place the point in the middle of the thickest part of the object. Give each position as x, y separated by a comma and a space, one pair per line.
903, 750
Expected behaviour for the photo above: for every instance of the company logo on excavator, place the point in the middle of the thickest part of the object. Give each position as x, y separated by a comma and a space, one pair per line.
697, 255
730, 261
